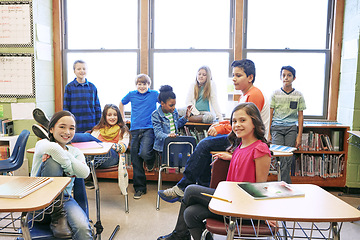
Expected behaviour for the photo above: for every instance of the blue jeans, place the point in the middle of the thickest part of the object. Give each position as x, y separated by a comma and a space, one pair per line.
76, 217
197, 168
285, 135
100, 161
141, 149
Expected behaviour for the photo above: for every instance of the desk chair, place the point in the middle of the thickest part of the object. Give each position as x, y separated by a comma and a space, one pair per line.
16, 159
175, 154
219, 172
41, 231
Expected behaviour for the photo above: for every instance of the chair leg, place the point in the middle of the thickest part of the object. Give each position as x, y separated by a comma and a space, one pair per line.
159, 188
204, 234
126, 203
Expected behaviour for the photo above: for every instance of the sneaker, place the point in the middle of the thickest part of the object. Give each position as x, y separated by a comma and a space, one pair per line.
89, 185
41, 117
176, 236
40, 132
138, 194
171, 194
150, 167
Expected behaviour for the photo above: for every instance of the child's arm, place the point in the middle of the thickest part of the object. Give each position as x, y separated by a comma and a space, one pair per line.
121, 108
122, 144
300, 128
157, 125
269, 138
262, 166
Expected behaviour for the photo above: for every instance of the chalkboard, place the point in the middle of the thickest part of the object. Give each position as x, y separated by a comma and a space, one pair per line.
16, 25
17, 75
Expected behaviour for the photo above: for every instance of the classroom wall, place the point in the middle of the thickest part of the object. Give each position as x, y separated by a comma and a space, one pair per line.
349, 89
44, 80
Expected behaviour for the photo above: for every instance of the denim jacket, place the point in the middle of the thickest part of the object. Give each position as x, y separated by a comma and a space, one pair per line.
161, 125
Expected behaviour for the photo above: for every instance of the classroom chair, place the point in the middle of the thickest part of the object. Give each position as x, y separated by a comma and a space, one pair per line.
16, 159
175, 154
213, 226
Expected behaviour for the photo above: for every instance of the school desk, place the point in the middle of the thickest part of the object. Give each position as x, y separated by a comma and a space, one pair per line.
317, 206
37, 200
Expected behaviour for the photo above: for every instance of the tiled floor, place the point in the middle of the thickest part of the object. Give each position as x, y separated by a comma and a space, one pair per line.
143, 222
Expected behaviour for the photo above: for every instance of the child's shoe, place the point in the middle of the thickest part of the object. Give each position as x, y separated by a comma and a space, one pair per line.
171, 194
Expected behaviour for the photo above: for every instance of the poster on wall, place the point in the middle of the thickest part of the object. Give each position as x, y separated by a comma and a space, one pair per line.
16, 25
17, 75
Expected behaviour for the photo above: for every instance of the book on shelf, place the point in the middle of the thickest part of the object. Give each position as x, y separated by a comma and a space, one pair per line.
281, 148
4, 152
21, 187
267, 190
336, 139
87, 145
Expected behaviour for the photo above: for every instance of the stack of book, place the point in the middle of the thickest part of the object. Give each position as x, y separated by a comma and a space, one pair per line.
6, 127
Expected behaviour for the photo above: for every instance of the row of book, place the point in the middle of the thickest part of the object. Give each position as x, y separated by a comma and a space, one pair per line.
4, 152
198, 134
313, 141
324, 165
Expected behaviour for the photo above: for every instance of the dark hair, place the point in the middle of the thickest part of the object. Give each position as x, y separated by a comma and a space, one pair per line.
55, 118
166, 92
246, 65
103, 123
289, 68
78, 61
259, 131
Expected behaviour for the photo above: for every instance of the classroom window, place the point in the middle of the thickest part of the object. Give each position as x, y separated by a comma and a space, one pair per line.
187, 35
106, 37
285, 36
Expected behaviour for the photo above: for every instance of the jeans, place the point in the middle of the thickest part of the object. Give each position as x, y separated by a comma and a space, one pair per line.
285, 135
76, 217
141, 149
197, 168
100, 161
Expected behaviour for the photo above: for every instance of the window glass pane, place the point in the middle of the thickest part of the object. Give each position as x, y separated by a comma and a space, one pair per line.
191, 24
112, 24
280, 24
182, 72
309, 76
112, 73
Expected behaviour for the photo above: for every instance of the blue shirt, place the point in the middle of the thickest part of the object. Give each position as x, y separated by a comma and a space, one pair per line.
142, 105
82, 100
162, 126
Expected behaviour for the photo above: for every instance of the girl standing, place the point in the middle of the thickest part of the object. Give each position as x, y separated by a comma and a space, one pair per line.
250, 162
203, 98
165, 119
54, 158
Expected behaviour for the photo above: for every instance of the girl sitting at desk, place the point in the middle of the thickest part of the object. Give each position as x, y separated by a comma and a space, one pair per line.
250, 162
54, 158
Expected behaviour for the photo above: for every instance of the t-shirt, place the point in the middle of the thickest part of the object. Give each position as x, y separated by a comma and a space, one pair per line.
286, 107
142, 106
242, 165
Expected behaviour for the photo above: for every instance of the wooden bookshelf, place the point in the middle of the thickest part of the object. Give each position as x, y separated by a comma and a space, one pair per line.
323, 181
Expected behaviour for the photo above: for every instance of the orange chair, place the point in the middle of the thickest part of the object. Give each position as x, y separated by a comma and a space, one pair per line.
213, 226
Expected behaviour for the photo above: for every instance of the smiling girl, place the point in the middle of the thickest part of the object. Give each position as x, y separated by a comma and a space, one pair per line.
54, 158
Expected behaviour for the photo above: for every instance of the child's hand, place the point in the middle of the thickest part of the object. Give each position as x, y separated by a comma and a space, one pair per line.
188, 111
298, 141
225, 156
45, 157
269, 138
212, 131
172, 135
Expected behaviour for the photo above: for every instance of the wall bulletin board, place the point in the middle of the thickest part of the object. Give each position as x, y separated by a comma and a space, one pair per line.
17, 75
16, 25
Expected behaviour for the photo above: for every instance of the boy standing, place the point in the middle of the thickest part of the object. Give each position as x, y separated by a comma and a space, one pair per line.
143, 103
81, 99
286, 109
197, 168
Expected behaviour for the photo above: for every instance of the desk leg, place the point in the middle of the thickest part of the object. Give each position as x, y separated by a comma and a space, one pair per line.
24, 226
335, 231
231, 230
279, 170
98, 226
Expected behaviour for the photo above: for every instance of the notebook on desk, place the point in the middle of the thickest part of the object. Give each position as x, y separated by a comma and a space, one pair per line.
87, 145
21, 187
266, 190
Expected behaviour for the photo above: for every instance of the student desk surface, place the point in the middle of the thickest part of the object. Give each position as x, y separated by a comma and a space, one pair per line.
317, 205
